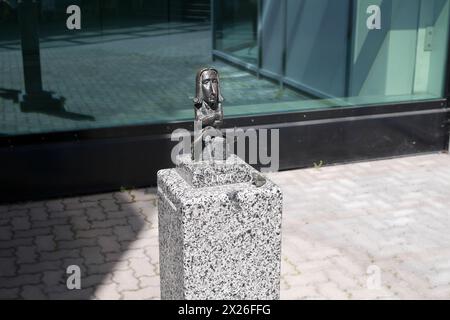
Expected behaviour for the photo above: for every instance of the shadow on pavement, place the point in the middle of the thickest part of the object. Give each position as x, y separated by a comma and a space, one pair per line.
104, 235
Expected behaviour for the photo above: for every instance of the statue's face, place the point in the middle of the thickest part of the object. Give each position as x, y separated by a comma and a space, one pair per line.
210, 87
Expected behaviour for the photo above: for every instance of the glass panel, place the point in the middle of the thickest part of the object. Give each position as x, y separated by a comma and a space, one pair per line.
325, 50
236, 23
134, 61
402, 59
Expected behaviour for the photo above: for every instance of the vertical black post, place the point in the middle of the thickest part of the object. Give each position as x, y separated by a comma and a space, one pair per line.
34, 98
28, 19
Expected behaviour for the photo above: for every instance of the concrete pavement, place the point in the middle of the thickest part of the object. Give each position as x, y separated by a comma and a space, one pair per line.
373, 230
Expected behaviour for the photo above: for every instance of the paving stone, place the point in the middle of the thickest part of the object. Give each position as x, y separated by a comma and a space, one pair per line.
117, 214
126, 255
94, 233
5, 233
45, 243
108, 267
66, 214
15, 214
124, 233
109, 205
141, 266
311, 278
26, 254
80, 205
63, 232
125, 280
130, 208
141, 243
147, 281
92, 255
142, 294
39, 213
9, 294
107, 292
109, 244
16, 282
78, 243
39, 267
21, 223
115, 256
52, 279
136, 222
32, 232
109, 223
75, 294
51, 222
16, 243
7, 253
96, 280
300, 293
80, 223
60, 254
153, 253
95, 214
33, 293
7, 267
330, 290
54, 206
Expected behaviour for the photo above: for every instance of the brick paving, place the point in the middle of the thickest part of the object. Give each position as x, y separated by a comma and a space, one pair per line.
125, 76
344, 228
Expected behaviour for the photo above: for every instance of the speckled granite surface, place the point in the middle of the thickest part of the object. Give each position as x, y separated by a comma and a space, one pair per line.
214, 173
219, 238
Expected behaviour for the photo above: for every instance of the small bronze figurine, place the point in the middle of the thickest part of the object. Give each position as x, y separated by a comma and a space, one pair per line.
208, 100
208, 112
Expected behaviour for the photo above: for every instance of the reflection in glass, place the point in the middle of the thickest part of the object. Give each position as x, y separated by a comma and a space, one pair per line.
324, 48
236, 28
133, 61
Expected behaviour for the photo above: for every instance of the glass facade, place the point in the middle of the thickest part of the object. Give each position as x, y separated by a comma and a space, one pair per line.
134, 62
330, 51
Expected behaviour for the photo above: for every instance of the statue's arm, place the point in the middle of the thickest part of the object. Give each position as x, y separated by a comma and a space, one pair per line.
218, 118
206, 119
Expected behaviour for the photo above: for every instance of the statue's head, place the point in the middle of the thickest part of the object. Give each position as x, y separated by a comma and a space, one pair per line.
208, 88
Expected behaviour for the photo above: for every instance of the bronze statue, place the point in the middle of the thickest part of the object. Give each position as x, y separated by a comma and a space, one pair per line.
208, 100
208, 112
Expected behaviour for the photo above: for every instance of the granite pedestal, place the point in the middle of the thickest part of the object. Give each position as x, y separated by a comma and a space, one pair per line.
219, 231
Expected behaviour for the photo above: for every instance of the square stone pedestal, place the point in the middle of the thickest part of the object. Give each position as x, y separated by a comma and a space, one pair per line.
219, 231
